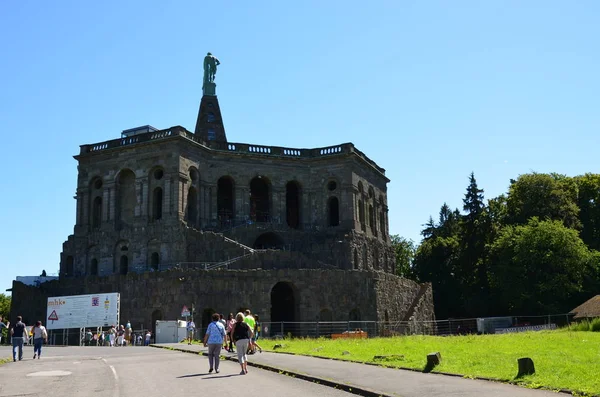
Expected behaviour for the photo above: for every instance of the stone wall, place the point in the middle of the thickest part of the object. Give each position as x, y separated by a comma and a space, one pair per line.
150, 296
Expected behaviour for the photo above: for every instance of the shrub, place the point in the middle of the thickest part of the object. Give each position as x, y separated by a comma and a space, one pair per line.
595, 325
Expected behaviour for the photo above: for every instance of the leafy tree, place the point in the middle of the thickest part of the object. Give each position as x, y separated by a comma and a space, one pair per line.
538, 268
43, 273
435, 261
546, 196
404, 250
4, 306
588, 201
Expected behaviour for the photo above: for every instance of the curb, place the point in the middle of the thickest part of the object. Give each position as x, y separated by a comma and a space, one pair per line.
360, 391
508, 382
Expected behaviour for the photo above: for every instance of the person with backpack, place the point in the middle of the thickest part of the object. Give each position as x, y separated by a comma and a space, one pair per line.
215, 334
40, 335
241, 334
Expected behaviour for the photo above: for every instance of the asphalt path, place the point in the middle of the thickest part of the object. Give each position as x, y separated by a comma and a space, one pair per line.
139, 371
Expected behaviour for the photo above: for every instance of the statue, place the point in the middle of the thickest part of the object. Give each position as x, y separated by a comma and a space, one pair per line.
210, 68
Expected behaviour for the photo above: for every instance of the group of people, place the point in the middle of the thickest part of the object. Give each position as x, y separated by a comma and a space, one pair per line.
18, 333
242, 331
118, 336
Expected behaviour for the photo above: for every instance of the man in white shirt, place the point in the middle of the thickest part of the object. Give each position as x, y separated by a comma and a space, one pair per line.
191, 327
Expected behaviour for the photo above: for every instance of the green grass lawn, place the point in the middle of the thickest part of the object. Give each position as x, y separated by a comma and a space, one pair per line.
563, 359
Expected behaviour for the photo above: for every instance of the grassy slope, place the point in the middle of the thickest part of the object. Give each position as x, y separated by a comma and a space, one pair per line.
562, 359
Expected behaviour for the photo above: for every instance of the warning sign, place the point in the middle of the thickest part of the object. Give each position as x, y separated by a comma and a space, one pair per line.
53, 316
185, 311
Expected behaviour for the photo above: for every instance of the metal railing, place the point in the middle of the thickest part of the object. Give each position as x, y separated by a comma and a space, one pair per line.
316, 329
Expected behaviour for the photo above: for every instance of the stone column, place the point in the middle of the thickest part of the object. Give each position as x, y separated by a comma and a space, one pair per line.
167, 197
112, 202
138, 198
105, 204
144, 199
85, 207
277, 207
79, 202
182, 199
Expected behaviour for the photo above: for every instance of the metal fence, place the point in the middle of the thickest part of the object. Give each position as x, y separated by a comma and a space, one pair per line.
465, 326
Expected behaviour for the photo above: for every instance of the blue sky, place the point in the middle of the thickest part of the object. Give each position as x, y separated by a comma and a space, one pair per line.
429, 90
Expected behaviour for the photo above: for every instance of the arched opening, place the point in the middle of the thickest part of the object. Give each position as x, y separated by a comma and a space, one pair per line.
157, 203
97, 212
283, 308
192, 206
333, 211
324, 326
69, 267
154, 261
325, 315
156, 316
206, 319
225, 200
269, 241
94, 267
126, 197
355, 264
372, 220
260, 200
124, 265
354, 315
292, 204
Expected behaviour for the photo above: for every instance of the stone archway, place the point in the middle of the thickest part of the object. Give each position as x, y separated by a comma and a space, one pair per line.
269, 240
284, 309
260, 200
206, 320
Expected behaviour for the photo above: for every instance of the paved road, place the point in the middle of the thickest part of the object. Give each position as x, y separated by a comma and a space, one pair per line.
139, 371
385, 381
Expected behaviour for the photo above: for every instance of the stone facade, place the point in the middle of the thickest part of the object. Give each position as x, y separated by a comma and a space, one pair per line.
238, 220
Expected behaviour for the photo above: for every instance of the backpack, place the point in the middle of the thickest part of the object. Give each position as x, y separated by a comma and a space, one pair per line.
241, 331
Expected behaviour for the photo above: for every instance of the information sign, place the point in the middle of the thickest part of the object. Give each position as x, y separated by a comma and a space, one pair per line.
78, 311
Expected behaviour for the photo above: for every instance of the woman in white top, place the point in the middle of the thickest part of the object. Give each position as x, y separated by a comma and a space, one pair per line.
39, 336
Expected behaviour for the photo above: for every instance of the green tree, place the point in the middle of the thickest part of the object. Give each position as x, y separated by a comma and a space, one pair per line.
4, 306
404, 250
588, 201
546, 196
435, 261
538, 268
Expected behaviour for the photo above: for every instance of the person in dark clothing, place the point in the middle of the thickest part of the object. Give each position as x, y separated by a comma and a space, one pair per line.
18, 333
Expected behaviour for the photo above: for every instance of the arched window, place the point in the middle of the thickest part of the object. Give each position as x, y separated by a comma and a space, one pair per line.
157, 203
192, 206
97, 212
126, 197
94, 267
225, 200
260, 200
333, 211
124, 265
154, 261
210, 117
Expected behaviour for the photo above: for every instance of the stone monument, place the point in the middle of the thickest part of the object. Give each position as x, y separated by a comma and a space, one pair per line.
210, 70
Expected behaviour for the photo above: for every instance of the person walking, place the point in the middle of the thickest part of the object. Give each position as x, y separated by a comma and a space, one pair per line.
2, 327
18, 333
241, 333
230, 324
40, 335
191, 328
215, 334
248, 319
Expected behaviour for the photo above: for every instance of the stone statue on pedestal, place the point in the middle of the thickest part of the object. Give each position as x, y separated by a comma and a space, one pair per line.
210, 68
